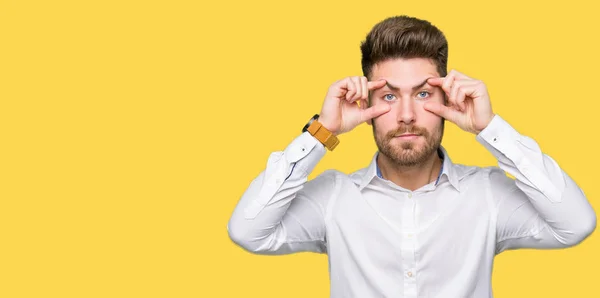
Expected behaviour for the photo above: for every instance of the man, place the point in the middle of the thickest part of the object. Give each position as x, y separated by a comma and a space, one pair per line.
412, 223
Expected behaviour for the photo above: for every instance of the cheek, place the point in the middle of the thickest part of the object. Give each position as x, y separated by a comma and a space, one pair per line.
430, 120
427, 119
382, 128
386, 121
425, 113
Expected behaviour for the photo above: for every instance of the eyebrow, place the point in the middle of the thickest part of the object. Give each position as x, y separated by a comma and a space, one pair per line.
397, 89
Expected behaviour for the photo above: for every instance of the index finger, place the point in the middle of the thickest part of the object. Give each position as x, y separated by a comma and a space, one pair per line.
376, 84
435, 81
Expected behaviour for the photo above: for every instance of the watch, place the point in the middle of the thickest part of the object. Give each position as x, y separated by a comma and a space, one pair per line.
317, 130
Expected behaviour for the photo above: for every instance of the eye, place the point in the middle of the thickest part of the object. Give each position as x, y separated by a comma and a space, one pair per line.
423, 94
389, 97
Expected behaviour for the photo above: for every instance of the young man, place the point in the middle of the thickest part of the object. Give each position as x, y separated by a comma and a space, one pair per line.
412, 223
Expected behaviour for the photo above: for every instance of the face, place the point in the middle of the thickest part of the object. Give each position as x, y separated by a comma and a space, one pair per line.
407, 134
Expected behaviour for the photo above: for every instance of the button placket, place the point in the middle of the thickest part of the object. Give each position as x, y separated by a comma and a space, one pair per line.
409, 245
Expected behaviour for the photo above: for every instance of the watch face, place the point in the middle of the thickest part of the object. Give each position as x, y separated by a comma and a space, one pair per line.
315, 117
305, 127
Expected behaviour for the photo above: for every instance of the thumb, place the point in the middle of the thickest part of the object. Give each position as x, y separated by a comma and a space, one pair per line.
374, 111
441, 110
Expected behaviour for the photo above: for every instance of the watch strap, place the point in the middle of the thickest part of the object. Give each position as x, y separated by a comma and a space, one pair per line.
326, 137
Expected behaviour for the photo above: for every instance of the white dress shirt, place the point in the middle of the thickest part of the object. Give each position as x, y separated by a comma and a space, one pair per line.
438, 241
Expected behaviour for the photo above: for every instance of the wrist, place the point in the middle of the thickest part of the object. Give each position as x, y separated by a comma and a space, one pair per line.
327, 125
486, 124
321, 133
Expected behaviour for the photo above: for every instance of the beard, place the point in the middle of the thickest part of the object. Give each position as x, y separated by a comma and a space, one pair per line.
409, 153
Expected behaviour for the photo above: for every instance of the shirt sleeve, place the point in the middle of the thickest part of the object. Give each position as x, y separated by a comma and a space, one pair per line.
542, 207
281, 212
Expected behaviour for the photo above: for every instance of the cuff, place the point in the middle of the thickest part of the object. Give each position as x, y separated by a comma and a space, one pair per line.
500, 136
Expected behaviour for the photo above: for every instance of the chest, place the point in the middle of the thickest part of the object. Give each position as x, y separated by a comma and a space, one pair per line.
386, 227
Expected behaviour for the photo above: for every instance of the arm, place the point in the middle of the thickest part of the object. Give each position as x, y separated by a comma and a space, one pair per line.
281, 212
543, 207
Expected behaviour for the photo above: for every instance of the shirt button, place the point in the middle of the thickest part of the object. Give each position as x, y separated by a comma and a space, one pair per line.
410, 195
409, 235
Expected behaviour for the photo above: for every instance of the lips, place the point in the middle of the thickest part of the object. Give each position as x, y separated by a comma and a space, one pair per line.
407, 135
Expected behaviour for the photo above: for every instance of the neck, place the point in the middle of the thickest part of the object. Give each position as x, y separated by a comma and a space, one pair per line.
410, 177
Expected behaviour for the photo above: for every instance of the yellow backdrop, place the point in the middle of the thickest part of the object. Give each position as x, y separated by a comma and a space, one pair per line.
130, 129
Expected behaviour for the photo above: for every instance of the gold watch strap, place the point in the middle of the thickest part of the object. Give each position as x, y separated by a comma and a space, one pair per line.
322, 134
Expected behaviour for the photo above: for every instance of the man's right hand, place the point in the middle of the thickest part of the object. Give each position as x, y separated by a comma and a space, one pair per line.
341, 113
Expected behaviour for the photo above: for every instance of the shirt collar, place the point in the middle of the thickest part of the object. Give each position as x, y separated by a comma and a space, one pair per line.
448, 170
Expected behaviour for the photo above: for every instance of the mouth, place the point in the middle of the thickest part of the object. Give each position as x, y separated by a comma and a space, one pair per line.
407, 136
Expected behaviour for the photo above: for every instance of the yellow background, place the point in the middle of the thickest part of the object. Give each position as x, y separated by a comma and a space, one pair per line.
130, 129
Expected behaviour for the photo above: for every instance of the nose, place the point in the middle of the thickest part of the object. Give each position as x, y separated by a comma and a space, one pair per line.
406, 111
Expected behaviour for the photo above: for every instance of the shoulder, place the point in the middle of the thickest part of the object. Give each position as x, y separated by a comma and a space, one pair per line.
492, 173
492, 179
495, 181
333, 178
326, 180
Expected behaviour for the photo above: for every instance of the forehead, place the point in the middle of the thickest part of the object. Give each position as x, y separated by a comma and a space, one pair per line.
404, 73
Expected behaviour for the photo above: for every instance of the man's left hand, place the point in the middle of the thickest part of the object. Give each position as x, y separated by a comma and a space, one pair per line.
468, 104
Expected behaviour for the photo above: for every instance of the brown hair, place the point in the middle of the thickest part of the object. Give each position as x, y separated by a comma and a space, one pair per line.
404, 37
